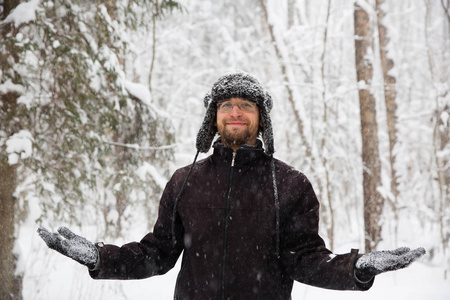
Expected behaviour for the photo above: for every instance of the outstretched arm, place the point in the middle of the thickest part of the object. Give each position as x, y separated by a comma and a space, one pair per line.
377, 262
155, 254
308, 260
304, 252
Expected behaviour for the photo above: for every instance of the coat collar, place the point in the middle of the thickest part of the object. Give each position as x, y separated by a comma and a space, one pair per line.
244, 155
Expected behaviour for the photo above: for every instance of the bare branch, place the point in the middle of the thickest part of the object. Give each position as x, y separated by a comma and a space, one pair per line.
137, 147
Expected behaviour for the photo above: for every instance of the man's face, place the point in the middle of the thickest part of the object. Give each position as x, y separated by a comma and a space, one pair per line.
239, 125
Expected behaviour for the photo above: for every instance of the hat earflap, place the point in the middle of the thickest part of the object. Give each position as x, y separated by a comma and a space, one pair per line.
267, 133
208, 129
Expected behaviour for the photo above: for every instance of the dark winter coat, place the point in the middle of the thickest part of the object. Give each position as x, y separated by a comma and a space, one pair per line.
226, 223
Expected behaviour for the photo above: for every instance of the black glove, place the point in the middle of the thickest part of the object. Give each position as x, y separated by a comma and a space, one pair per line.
72, 245
374, 263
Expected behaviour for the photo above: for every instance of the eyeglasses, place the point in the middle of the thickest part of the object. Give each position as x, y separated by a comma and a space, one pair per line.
228, 106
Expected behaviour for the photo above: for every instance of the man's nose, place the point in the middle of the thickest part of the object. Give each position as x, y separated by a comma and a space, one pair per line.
235, 111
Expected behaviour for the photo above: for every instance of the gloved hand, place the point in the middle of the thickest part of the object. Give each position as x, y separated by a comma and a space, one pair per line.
374, 263
71, 245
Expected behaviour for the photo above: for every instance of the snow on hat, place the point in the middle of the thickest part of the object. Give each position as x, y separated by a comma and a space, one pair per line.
235, 85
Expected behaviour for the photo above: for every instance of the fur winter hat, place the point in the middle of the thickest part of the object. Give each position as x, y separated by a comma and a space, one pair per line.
237, 85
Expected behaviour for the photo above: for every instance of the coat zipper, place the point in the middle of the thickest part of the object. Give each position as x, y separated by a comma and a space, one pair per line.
225, 236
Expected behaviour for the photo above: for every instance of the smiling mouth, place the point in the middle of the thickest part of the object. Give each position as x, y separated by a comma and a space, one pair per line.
236, 124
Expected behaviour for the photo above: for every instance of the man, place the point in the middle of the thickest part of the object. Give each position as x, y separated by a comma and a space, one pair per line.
247, 223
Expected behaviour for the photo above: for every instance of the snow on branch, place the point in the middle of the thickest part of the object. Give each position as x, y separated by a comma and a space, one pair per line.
8, 86
19, 145
139, 91
142, 93
25, 12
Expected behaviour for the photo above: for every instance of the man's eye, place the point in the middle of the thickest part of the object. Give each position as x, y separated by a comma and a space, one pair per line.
226, 105
246, 105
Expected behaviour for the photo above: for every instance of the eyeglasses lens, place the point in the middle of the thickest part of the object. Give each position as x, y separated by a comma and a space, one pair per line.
227, 107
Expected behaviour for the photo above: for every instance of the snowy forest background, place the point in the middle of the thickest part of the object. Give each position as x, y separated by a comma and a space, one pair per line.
101, 101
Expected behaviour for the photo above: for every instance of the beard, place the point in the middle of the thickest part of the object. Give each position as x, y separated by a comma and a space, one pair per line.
235, 137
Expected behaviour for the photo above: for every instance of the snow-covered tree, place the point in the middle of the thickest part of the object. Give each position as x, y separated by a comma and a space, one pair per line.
77, 134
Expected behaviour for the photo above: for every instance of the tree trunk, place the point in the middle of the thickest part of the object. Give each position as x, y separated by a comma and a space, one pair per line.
391, 106
373, 202
441, 141
152, 64
290, 12
10, 283
324, 139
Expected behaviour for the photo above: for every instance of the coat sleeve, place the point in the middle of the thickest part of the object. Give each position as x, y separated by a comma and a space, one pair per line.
155, 254
304, 252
